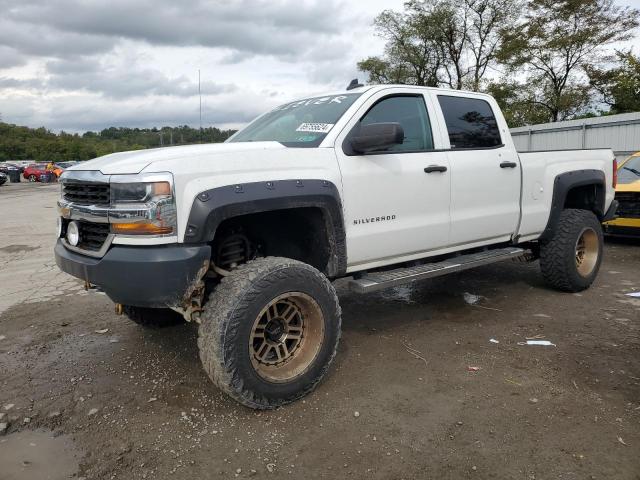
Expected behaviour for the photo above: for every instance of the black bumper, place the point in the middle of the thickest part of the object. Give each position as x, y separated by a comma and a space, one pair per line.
149, 276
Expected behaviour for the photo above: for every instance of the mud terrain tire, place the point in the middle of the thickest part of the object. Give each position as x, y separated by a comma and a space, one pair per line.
570, 260
270, 331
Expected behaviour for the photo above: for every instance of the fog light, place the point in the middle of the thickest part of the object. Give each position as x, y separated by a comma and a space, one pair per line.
73, 233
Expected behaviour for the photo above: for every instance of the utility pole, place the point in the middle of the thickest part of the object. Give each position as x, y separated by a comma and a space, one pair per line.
200, 96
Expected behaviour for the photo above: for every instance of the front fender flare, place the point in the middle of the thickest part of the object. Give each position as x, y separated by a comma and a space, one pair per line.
211, 207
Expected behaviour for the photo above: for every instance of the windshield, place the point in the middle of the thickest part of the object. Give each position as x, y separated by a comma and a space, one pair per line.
303, 123
629, 172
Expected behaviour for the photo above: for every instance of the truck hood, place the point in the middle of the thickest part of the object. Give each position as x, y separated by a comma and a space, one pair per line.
126, 163
628, 187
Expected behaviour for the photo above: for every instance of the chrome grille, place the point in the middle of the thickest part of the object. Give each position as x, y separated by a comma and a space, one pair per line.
86, 193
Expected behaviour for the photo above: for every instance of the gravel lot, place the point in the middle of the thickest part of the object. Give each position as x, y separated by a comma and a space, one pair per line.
132, 403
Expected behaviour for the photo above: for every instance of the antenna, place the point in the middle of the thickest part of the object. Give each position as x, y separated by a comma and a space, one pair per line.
200, 96
354, 84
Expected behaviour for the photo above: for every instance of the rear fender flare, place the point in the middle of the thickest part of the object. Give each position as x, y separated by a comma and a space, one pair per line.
563, 184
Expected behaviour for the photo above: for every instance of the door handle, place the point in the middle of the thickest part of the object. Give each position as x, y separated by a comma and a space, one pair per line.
435, 168
508, 165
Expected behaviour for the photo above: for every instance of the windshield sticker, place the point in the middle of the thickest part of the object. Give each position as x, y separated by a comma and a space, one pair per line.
315, 127
312, 101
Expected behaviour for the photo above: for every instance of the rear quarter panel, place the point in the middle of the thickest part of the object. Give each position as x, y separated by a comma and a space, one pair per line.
539, 170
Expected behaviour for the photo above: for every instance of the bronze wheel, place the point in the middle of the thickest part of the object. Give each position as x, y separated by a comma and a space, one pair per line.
269, 331
587, 252
286, 337
571, 257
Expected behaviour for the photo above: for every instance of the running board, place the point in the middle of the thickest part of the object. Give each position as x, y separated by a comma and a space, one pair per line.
391, 278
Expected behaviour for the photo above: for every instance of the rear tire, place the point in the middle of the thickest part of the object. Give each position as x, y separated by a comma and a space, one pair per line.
152, 317
32, 178
570, 260
269, 332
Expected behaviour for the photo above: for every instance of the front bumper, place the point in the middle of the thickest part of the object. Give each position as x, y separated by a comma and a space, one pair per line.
145, 276
621, 226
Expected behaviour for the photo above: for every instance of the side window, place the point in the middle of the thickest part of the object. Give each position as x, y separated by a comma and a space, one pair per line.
411, 113
470, 122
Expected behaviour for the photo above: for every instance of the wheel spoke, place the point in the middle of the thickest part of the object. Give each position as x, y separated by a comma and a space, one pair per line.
263, 350
290, 314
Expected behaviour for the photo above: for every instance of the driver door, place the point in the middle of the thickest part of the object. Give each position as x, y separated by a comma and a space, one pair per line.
396, 204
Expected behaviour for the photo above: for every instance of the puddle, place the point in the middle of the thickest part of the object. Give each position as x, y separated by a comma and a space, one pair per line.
18, 248
402, 294
30, 455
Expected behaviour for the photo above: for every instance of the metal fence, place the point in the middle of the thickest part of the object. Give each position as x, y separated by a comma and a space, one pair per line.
621, 133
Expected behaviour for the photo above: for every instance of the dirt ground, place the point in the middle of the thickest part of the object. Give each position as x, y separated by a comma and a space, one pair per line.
133, 403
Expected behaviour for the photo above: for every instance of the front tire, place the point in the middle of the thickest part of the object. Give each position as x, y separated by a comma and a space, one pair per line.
269, 332
32, 178
571, 259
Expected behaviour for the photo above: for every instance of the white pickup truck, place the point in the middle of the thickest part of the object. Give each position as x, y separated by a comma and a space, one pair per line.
383, 184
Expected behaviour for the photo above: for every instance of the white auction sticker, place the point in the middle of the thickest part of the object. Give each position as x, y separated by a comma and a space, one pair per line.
315, 127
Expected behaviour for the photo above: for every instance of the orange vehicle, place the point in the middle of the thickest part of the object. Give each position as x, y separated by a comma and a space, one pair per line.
628, 197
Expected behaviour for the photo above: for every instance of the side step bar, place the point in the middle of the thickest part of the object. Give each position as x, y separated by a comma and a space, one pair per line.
391, 278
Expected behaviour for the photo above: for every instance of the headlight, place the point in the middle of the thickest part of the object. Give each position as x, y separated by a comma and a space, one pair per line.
143, 207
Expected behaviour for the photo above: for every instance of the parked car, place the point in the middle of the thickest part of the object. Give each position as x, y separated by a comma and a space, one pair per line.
628, 197
36, 171
3, 178
6, 167
65, 165
384, 184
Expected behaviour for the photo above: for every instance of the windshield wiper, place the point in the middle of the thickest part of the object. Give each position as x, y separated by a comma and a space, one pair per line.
632, 170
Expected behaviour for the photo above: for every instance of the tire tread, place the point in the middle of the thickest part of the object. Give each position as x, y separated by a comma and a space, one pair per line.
228, 303
555, 266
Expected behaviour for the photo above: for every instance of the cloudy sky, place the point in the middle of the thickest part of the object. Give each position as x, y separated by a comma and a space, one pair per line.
86, 65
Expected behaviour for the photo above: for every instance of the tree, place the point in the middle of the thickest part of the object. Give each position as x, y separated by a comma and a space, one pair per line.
619, 87
23, 143
411, 52
441, 42
557, 41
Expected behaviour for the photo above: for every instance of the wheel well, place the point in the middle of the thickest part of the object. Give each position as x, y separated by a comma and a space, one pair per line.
586, 197
297, 233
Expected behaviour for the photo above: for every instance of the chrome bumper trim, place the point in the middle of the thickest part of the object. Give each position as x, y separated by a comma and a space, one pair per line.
91, 253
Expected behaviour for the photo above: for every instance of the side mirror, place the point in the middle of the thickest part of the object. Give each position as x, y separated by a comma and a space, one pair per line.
376, 136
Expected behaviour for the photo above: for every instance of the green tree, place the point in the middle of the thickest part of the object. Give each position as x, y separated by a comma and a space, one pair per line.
556, 43
618, 87
23, 143
441, 42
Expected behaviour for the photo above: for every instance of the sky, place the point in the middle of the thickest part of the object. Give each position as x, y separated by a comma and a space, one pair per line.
86, 65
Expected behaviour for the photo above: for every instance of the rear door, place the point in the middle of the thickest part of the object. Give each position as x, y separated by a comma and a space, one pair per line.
393, 206
485, 170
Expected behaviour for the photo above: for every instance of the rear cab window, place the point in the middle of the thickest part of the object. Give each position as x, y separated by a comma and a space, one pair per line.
471, 123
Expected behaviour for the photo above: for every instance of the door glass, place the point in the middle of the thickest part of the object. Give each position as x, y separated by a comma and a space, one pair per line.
411, 113
470, 122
